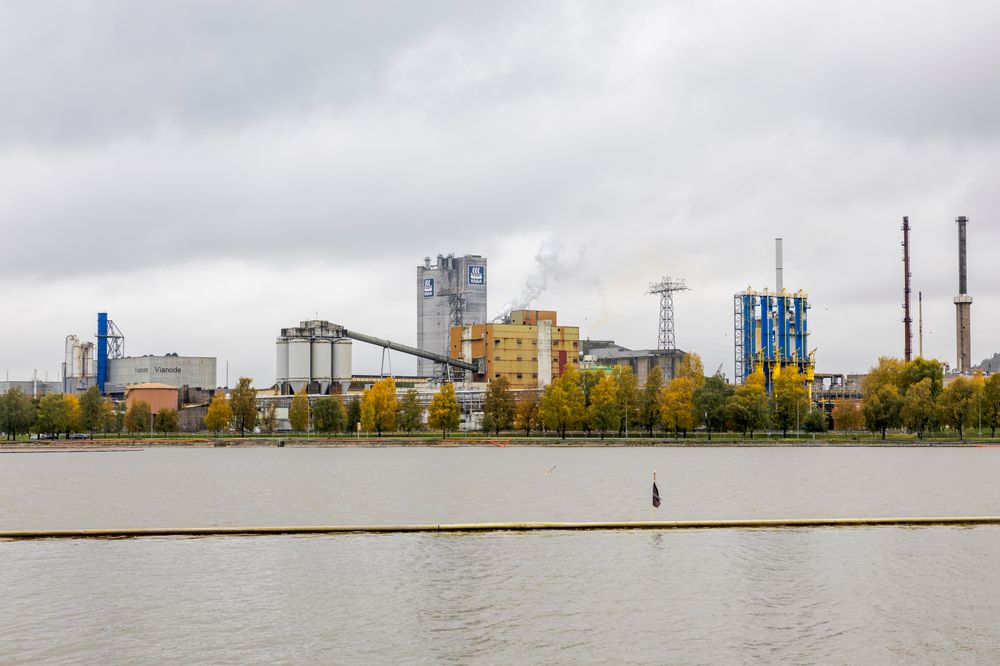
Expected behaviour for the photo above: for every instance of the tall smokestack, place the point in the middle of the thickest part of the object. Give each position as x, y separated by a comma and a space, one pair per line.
907, 319
920, 317
779, 283
963, 305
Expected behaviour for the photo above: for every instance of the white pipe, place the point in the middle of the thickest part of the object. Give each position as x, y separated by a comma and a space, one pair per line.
779, 284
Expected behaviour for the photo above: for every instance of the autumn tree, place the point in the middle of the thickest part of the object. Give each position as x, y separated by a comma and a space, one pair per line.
957, 404
139, 417
649, 400
219, 413
328, 415
243, 403
17, 413
691, 367
73, 418
788, 395
499, 404
919, 369
444, 413
603, 414
109, 417
299, 412
918, 409
815, 421
561, 407
411, 412
526, 415
166, 420
269, 419
677, 410
588, 380
711, 400
747, 408
847, 415
626, 397
378, 407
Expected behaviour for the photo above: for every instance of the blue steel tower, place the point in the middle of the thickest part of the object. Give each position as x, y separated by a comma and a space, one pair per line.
110, 344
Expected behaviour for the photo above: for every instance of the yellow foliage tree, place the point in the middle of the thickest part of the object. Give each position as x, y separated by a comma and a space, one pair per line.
691, 367
300, 411
219, 413
677, 409
789, 398
847, 415
443, 412
73, 413
378, 407
603, 414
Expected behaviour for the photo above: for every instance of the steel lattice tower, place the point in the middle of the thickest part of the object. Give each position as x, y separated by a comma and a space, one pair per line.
666, 288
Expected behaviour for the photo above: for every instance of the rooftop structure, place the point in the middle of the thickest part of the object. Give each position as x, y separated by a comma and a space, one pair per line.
963, 305
450, 292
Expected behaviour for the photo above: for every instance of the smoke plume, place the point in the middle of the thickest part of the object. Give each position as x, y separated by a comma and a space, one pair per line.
548, 264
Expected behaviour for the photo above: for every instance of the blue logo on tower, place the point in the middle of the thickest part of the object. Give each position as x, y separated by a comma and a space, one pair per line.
477, 275
428, 287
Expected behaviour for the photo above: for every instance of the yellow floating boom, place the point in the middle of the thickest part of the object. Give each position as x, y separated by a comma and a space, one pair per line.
125, 533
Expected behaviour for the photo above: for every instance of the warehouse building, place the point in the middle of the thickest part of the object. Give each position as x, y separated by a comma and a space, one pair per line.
530, 351
450, 292
171, 369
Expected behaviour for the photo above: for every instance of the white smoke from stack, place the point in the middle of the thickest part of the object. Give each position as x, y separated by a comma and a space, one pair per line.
548, 264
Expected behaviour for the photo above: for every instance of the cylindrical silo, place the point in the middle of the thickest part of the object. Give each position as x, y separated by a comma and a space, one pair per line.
71, 343
322, 363
342, 360
281, 364
299, 362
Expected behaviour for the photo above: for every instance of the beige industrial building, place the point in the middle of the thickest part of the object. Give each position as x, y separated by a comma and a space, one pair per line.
530, 351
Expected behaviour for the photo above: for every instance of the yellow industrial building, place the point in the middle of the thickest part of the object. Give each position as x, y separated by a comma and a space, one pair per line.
530, 350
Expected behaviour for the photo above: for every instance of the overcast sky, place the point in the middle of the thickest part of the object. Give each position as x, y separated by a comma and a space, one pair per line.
210, 172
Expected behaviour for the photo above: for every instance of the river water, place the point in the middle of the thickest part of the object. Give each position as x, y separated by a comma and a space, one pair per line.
855, 595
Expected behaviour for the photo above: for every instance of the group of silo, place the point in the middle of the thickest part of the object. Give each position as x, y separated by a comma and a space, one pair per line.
311, 356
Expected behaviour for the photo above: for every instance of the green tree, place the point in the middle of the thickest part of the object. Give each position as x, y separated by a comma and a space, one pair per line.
789, 399
991, 403
603, 414
108, 419
649, 400
488, 425
299, 412
353, 414
378, 407
166, 420
526, 417
53, 414
626, 397
677, 409
881, 407
91, 410
711, 400
919, 369
499, 404
328, 415
957, 405
411, 411
243, 403
269, 419
219, 413
139, 417
815, 421
17, 413
748, 408
444, 413
918, 409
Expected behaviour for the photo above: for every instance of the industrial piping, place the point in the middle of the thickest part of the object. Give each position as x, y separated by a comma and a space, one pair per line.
502, 527
413, 351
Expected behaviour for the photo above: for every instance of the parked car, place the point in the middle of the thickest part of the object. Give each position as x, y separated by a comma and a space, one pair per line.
80, 435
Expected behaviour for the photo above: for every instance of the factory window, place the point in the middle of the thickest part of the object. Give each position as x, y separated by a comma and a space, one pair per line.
496, 358
519, 375
534, 375
575, 344
496, 343
497, 375
535, 359
519, 358
519, 341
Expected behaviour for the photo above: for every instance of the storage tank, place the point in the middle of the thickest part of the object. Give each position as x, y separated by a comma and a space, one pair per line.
322, 363
281, 362
299, 359
71, 343
342, 369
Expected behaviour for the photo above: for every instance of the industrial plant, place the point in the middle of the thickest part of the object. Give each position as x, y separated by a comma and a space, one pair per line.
456, 342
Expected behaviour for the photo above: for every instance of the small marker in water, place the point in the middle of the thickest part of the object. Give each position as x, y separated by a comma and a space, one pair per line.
550, 469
